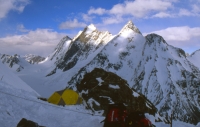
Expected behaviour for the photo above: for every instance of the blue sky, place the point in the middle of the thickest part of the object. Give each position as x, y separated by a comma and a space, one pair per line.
36, 26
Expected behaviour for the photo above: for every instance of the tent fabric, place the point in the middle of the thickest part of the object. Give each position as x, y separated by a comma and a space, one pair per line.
65, 97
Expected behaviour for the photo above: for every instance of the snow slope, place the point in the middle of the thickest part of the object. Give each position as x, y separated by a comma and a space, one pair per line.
13, 109
15, 62
18, 100
8, 77
17, 103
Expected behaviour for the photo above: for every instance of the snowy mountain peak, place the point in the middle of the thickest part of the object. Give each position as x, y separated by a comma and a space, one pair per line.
155, 38
86, 34
89, 29
92, 27
91, 34
194, 58
61, 48
66, 38
83, 47
130, 26
197, 52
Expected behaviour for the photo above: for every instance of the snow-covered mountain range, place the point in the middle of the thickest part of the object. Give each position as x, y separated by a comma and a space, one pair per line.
81, 49
17, 63
163, 74
159, 71
19, 101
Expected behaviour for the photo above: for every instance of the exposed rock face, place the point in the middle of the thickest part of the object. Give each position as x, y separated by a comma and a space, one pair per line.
33, 59
82, 48
11, 61
61, 49
18, 63
168, 80
100, 88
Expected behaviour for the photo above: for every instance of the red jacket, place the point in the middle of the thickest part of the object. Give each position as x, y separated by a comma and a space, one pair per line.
144, 122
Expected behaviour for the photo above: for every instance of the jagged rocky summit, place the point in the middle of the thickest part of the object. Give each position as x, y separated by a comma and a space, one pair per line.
81, 49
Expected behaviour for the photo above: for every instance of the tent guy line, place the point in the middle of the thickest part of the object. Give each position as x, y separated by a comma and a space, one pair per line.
46, 104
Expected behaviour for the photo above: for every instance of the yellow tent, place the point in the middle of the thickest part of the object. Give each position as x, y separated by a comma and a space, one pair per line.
65, 97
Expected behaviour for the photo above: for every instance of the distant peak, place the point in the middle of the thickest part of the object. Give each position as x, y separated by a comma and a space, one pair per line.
129, 25
67, 37
91, 26
195, 52
89, 29
151, 37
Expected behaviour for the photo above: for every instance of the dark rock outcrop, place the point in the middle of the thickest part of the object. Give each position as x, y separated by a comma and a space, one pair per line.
100, 88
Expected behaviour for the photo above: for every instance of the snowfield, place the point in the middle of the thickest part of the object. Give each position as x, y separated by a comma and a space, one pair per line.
17, 102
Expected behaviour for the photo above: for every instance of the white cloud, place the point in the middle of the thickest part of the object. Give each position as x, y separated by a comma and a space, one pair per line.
8, 5
137, 8
195, 9
181, 12
183, 33
162, 15
191, 9
99, 11
87, 18
132, 9
112, 20
148, 9
40, 41
71, 24
21, 28
185, 12
140, 8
